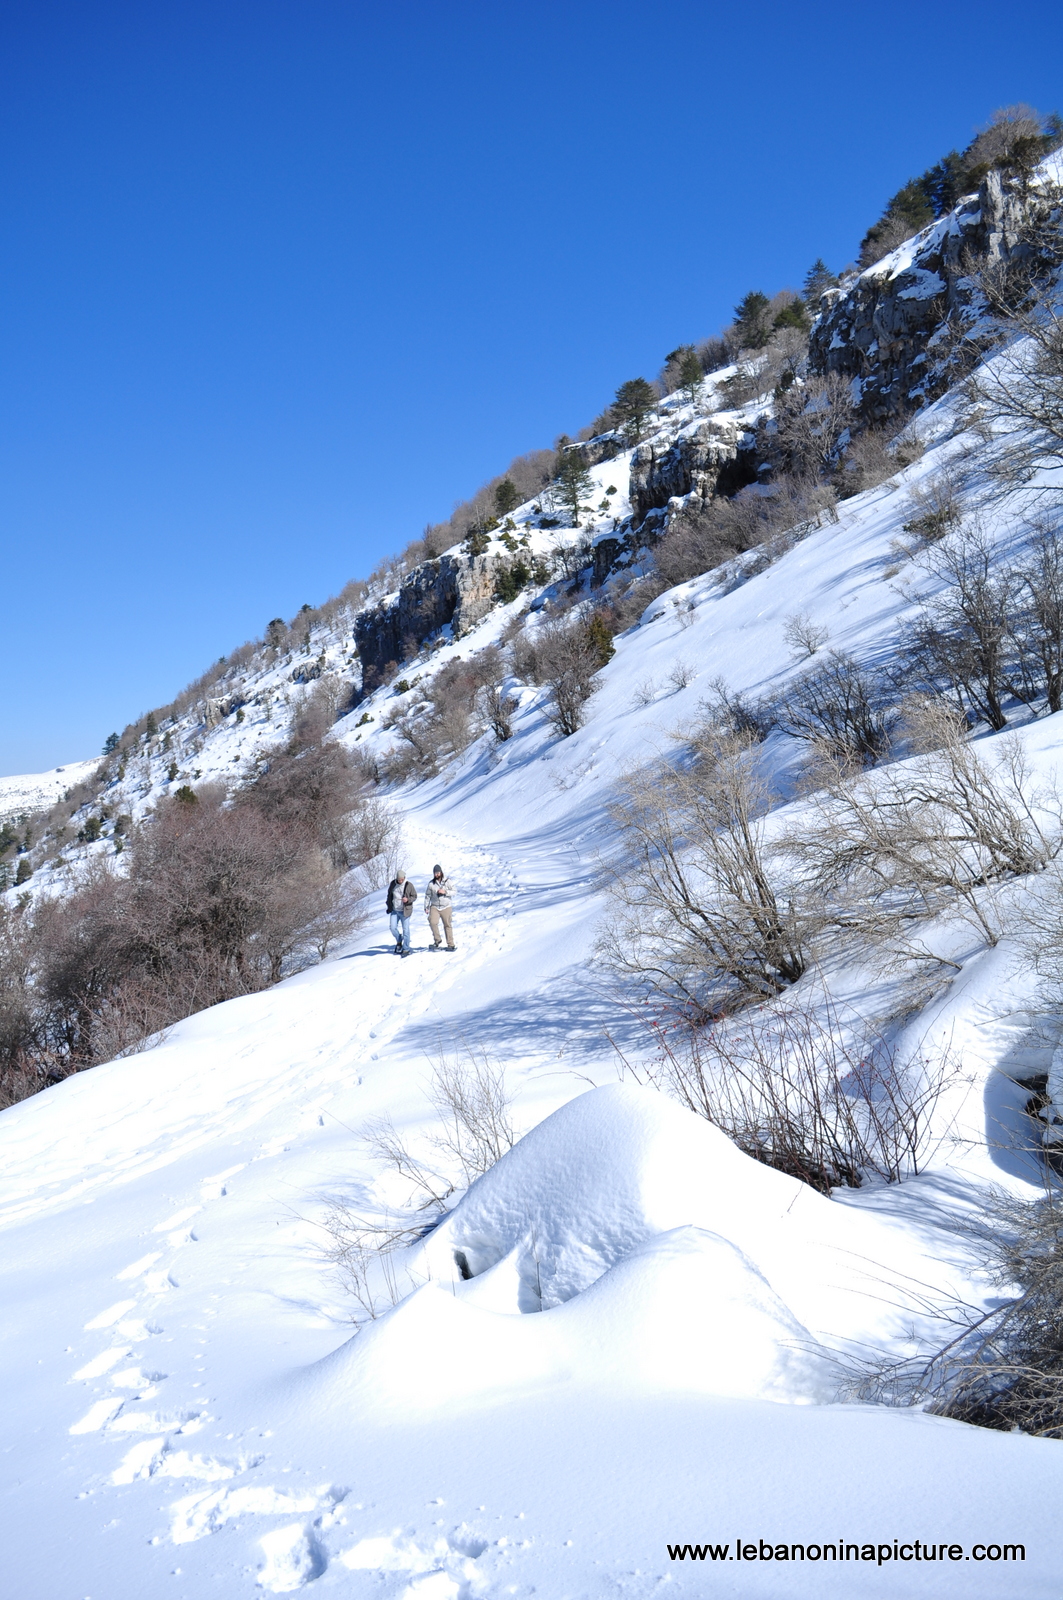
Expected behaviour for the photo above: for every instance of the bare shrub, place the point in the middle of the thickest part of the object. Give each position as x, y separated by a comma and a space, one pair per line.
442, 727
703, 535
1001, 1368
871, 457
706, 912
681, 675
475, 1129
891, 848
936, 506
995, 632
563, 655
1036, 621
813, 423
838, 707
732, 713
497, 708
1020, 393
803, 636
826, 1101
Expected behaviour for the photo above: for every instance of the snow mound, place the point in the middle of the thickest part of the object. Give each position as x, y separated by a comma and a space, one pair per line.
597, 1179
685, 1311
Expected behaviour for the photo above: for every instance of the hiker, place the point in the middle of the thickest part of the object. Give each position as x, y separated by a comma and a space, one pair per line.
402, 897
437, 899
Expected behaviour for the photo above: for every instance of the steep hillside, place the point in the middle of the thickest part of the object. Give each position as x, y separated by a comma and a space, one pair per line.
423, 1277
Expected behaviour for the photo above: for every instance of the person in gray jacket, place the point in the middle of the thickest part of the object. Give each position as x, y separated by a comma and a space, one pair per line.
437, 905
402, 897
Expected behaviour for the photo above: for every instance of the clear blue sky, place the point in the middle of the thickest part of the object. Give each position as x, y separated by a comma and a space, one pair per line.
282, 280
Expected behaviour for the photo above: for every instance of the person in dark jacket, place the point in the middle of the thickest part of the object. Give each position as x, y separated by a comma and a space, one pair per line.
437, 905
402, 896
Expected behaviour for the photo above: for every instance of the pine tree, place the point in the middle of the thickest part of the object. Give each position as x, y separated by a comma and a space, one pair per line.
24, 871
792, 316
507, 497
818, 279
634, 402
753, 320
600, 639
110, 744
572, 479
689, 375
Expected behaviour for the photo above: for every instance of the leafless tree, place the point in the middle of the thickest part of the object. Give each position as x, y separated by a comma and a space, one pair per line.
804, 636
705, 911
813, 422
961, 642
562, 655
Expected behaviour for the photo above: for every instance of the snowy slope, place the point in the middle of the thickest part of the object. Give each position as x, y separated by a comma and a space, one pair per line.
647, 1352
36, 791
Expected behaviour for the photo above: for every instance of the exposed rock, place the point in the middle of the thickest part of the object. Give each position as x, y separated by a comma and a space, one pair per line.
702, 461
453, 589
603, 555
901, 327
603, 447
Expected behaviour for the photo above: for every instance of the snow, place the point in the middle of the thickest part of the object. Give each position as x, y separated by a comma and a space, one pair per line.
649, 1349
36, 791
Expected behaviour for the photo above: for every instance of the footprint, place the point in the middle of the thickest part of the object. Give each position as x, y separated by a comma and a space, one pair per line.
157, 1458
214, 1188
97, 1416
198, 1515
138, 1267
178, 1217
103, 1362
107, 1319
293, 1558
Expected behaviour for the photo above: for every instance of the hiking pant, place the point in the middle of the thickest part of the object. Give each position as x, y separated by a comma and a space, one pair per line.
436, 915
400, 929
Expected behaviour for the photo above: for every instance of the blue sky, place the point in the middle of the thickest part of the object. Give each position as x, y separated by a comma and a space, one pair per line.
281, 281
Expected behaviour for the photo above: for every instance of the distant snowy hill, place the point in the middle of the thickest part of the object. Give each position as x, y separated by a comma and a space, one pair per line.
30, 793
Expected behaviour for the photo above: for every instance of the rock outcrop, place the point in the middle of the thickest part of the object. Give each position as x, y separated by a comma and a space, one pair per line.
903, 327
453, 590
704, 460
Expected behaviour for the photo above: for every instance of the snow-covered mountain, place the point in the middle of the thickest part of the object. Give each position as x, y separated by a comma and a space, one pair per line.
626, 1335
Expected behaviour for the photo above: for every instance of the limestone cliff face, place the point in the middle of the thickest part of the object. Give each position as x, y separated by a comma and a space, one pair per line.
703, 460
453, 589
900, 327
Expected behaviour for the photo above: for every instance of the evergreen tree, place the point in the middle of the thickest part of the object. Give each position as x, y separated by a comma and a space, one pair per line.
24, 871
600, 639
110, 744
634, 402
753, 320
793, 315
507, 497
688, 372
572, 479
818, 279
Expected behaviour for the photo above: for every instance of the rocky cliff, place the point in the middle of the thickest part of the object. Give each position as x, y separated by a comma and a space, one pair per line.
908, 326
707, 459
453, 590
